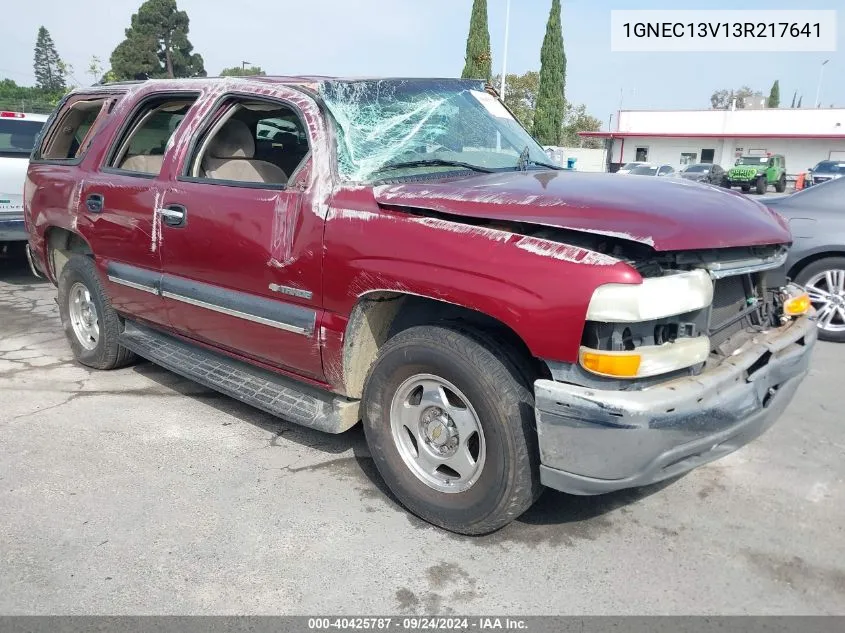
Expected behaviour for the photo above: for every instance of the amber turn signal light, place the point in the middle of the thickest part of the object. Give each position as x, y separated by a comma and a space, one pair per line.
622, 365
796, 306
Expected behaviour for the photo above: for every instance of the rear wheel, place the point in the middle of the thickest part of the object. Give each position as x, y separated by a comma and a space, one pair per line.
780, 186
91, 325
450, 426
762, 185
825, 283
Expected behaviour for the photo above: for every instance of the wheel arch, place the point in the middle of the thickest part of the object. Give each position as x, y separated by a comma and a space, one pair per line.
59, 244
379, 315
816, 255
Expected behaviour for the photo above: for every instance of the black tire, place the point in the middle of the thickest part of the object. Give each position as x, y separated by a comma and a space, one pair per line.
509, 482
810, 271
726, 183
746, 188
107, 354
780, 185
762, 185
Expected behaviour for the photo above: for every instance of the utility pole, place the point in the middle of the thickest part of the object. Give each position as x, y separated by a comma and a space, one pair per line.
819, 89
505, 53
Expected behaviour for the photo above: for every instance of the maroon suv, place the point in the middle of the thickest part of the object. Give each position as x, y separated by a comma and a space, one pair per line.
400, 251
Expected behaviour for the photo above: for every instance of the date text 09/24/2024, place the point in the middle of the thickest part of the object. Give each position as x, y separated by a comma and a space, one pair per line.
416, 623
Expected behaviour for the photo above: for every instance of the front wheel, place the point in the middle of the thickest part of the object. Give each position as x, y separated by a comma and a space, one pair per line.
762, 185
91, 325
450, 426
825, 283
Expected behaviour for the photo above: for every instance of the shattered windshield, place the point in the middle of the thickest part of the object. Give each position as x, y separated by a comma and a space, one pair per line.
390, 128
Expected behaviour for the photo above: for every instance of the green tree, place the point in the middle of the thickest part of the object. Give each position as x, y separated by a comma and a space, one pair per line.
239, 71
575, 120
521, 95
800, 99
157, 45
745, 97
479, 61
548, 117
49, 70
774, 96
95, 68
794, 96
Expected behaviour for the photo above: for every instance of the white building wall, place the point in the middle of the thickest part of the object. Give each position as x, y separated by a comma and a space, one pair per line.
586, 159
810, 121
800, 154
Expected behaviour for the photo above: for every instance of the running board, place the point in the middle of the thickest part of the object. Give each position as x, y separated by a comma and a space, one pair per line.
277, 395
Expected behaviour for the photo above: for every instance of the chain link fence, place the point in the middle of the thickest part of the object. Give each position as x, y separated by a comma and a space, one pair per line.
27, 105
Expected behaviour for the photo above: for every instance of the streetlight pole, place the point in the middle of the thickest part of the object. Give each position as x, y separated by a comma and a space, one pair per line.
243, 65
819, 89
505, 53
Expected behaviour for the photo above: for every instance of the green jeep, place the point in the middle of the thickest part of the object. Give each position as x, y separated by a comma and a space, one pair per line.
758, 172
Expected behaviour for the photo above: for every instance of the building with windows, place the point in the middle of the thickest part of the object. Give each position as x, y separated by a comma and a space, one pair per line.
678, 137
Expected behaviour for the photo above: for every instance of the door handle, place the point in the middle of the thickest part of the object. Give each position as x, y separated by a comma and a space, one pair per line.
94, 203
174, 215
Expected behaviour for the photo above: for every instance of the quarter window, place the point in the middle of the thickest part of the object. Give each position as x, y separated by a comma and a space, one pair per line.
70, 136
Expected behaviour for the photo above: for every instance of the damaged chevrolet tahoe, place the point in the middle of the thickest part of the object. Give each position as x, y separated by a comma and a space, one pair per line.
400, 252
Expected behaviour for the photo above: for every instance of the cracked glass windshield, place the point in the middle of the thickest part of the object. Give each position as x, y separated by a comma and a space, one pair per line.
392, 128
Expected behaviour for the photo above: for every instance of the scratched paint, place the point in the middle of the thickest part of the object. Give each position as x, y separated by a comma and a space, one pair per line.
564, 252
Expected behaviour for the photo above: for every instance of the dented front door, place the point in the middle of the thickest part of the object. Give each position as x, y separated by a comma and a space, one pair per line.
224, 282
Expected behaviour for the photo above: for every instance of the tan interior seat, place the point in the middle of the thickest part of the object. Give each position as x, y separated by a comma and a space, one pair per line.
230, 157
144, 163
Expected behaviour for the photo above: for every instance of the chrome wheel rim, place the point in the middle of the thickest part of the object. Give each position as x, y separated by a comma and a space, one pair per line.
83, 316
437, 433
827, 293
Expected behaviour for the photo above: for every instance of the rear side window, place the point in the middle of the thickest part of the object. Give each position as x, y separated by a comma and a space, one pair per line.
140, 148
18, 136
71, 134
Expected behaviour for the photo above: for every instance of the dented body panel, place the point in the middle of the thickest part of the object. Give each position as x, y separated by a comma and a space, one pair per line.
664, 214
308, 278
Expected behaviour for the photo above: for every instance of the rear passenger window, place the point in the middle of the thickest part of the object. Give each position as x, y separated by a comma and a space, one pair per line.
70, 136
141, 147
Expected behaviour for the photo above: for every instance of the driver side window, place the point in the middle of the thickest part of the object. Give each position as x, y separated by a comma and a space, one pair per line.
256, 142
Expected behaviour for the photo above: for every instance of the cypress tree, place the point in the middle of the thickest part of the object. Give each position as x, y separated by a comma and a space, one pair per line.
774, 96
548, 117
794, 96
800, 99
479, 61
47, 65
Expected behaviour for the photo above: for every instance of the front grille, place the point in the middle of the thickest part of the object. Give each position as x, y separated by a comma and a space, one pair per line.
730, 300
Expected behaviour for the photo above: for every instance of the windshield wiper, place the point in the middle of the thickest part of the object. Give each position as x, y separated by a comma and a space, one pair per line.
524, 160
436, 162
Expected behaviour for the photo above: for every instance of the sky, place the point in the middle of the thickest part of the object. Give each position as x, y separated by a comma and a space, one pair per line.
416, 38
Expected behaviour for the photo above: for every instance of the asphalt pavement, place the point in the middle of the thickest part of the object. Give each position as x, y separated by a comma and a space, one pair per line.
138, 492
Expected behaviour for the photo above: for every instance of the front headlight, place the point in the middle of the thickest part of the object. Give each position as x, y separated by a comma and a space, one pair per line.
655, 298
646, 361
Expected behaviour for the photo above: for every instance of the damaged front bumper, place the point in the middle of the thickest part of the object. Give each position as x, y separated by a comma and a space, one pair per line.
594, 441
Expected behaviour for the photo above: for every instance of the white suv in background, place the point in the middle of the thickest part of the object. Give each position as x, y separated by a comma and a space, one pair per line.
17, 138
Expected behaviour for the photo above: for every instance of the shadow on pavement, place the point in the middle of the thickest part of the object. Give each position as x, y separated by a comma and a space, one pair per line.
14, 268
556, 518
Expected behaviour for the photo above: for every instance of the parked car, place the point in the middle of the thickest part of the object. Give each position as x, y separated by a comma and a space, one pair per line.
824, 171
627, 167
758, 172
652, 170
417, 264
18, 131
703, 172
817, 257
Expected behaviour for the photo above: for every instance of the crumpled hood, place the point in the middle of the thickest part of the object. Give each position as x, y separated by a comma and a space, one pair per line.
667, 214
